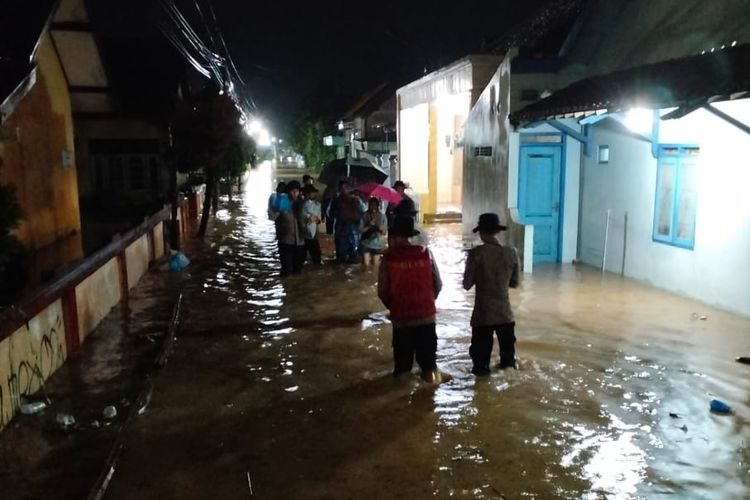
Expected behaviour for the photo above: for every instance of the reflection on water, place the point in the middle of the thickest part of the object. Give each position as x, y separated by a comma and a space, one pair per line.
603, 362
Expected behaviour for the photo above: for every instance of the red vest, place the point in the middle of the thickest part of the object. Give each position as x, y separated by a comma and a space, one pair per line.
410, 283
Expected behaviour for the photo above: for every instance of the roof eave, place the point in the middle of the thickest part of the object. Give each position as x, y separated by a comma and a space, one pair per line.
10, 103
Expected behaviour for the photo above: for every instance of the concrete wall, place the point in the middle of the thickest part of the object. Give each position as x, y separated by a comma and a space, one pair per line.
485, 178
29, 356
427, 111
97, 295
137, 256
717, 270
40, 161
30, 353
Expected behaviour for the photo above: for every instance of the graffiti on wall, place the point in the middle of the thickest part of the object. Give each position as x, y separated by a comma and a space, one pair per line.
32, 353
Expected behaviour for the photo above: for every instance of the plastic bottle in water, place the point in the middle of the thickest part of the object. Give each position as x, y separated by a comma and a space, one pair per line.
720, 407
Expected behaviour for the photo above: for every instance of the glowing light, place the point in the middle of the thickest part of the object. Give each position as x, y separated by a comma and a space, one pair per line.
263, 138
254, 126
639, 120
734, 42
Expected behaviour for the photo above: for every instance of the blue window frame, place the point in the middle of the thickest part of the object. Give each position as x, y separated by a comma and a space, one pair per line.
676, 195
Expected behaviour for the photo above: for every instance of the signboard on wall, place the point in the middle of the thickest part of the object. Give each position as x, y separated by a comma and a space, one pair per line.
67, 159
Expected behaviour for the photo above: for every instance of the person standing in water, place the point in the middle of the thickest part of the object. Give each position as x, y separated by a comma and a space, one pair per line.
493, 268
408, 284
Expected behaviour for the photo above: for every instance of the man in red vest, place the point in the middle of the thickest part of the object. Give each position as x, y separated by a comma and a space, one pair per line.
408, 284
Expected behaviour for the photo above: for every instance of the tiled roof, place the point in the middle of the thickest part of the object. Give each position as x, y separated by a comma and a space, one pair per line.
685, 82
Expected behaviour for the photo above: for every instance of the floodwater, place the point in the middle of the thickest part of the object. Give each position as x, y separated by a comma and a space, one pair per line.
282, 389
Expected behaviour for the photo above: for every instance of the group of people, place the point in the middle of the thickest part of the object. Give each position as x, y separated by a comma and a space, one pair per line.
296, 211
409, 283
408, 277
359, 224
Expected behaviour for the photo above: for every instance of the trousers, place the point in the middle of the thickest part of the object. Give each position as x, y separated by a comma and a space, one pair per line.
292, 259
411, 342
312, 246
481, 346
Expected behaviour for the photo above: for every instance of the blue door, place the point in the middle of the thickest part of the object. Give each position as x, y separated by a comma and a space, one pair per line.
539, 198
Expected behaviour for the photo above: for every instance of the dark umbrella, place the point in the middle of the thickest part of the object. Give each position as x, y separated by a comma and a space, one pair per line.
360, 169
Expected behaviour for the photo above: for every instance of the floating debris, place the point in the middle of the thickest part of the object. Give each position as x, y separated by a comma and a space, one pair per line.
720, 407
32, 408
65, 420
109, 412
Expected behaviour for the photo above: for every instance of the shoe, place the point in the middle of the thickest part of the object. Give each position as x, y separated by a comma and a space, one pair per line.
480, 372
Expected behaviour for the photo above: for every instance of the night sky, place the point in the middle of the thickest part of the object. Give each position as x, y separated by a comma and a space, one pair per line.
297, 55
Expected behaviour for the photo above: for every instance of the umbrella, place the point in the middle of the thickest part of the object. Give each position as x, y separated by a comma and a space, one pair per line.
380, 192
361, 169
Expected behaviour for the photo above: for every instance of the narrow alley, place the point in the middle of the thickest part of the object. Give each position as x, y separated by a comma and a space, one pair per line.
282, 389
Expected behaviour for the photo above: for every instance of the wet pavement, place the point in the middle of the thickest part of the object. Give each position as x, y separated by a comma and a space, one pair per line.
39, 458
282, 389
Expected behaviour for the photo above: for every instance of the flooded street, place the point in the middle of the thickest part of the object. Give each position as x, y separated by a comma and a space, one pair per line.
283, 389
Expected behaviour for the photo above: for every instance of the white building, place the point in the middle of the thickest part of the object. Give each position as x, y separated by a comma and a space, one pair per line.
431, 116
664, 172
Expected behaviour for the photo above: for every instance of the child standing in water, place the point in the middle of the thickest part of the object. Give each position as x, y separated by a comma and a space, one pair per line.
493, 268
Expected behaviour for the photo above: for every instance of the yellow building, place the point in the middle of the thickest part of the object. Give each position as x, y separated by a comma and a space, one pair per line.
37, 154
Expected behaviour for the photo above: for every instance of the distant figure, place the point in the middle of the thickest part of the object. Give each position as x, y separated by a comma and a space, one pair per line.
347, 213
278, 201
307, 180
408, 284
390, 212
329, 194
311, 213
493, 268
289, 232
374, 227
408, 209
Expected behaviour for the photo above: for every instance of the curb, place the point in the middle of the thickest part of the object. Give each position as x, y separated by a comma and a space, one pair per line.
138, 408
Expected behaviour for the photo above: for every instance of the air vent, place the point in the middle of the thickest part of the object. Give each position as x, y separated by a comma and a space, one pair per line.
483, 151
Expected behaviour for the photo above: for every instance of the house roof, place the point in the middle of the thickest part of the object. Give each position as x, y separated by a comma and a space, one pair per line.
25, 23
687, 82
371, 101
545, 32
149, 92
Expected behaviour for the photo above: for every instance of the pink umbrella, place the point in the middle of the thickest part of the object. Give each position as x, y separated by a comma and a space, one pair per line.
379, 191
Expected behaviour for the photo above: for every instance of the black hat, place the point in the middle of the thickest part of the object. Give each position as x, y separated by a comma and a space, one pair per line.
292, 185
403, 225
406, 207
309, 188
489, 223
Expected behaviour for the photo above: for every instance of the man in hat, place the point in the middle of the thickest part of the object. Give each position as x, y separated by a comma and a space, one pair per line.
493, 268
408, 284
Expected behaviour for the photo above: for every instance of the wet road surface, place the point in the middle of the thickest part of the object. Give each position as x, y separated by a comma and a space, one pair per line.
282, 389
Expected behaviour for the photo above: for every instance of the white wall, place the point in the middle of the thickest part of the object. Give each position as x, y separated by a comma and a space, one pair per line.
414, 137
717, 270
571, 173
